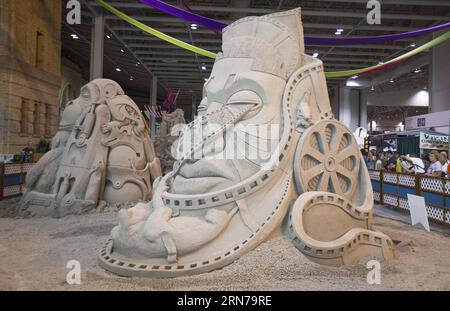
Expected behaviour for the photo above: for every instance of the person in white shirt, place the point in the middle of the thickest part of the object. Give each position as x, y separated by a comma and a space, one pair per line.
435, 168
413, 165
445, 162
379, 163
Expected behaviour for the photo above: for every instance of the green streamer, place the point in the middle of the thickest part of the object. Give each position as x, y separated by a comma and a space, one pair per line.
346, 73
155, 32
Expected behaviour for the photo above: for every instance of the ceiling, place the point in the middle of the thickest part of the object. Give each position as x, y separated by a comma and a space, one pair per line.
139, 55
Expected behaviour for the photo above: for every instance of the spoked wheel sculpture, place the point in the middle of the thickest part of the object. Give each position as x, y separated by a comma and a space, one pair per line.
330, 222
328, 160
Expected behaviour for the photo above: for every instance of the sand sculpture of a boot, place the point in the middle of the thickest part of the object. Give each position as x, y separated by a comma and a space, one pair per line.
209, 211
104, 154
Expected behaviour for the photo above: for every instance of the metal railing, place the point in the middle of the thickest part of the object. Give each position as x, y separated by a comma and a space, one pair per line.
12, 179
392, 189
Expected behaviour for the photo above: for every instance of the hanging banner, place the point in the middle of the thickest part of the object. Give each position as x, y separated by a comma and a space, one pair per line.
435, 119
434, 142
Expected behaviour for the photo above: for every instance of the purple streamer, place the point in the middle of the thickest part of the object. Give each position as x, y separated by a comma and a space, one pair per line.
218, 26
192, 17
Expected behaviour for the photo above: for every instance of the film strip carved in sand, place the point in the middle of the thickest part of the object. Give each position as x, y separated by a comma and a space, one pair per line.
330, 222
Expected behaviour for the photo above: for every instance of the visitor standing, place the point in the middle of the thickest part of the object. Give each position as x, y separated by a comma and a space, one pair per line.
379, 164
444, 159
26, 155
412, 165
435, 168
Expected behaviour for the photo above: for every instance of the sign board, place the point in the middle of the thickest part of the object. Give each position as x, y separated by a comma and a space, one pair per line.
435, 142
384, 142
437, 119
418, 211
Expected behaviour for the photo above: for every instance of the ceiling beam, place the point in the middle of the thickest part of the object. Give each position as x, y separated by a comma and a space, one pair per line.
305, 12
431, 3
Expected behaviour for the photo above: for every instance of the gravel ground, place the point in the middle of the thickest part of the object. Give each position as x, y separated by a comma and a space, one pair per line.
34, 253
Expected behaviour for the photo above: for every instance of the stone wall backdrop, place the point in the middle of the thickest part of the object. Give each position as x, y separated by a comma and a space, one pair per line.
30, 72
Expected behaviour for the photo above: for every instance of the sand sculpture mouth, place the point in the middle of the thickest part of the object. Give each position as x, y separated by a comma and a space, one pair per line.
204, 215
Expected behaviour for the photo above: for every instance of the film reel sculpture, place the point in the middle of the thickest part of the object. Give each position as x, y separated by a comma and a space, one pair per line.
207, 212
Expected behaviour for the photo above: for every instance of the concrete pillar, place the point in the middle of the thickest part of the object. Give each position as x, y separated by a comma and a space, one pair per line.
363, 122
154, 94
334, 101
352, 107
97, 47
194, 107
439, 82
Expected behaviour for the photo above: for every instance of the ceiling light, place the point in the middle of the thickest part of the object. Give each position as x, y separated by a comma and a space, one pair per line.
340, 30
373, 88
194, 26
122, 50
108, 37
355, 77
74, 36
337, 33
118, 69
315, 55
137, 64
380, 63
391, 81
413, 45
417, 70
205, 79
131, 78
203, 67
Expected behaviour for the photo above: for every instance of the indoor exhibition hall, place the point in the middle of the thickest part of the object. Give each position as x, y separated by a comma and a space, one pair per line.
224, 145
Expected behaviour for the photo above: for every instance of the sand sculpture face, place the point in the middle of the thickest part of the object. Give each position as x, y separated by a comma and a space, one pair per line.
102, 152
209, 211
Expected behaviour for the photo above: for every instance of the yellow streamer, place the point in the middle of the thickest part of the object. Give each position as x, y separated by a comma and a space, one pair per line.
155, 32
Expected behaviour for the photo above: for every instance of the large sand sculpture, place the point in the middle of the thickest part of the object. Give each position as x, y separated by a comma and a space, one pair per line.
208, 211
101, 153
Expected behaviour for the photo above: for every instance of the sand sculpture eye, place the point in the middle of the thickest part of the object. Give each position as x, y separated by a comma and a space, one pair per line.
244, 98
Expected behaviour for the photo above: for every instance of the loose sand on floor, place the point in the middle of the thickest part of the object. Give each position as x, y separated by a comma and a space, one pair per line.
34, 253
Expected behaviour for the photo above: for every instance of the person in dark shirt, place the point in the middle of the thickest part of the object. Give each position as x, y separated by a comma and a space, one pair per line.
26, 155
392, 161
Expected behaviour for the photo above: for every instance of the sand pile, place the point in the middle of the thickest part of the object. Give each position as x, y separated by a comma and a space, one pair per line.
34, 253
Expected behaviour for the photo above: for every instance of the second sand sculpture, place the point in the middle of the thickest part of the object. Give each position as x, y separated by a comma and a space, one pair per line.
101, 153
